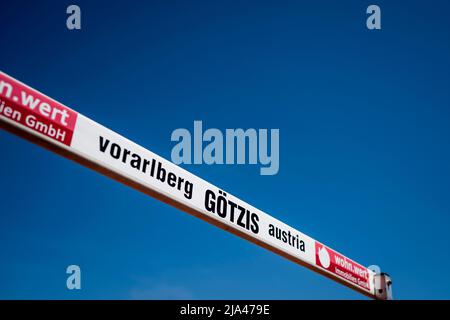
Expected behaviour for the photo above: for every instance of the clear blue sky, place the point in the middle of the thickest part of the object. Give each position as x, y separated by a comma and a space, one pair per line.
364, 144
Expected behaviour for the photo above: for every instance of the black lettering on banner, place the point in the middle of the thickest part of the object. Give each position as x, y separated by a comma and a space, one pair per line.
231, 211
232, 207
287, 237
146, 166
103, 144
241, 216
115, 151
210, 205
222, 205
136, 162
171, 179
161, 175
255, 225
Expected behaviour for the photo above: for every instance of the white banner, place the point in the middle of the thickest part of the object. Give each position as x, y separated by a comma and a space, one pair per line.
29, 113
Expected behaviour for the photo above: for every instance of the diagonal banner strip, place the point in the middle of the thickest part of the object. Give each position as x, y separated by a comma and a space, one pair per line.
30, 114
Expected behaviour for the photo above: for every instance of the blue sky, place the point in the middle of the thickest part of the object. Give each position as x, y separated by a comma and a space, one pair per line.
364, 144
